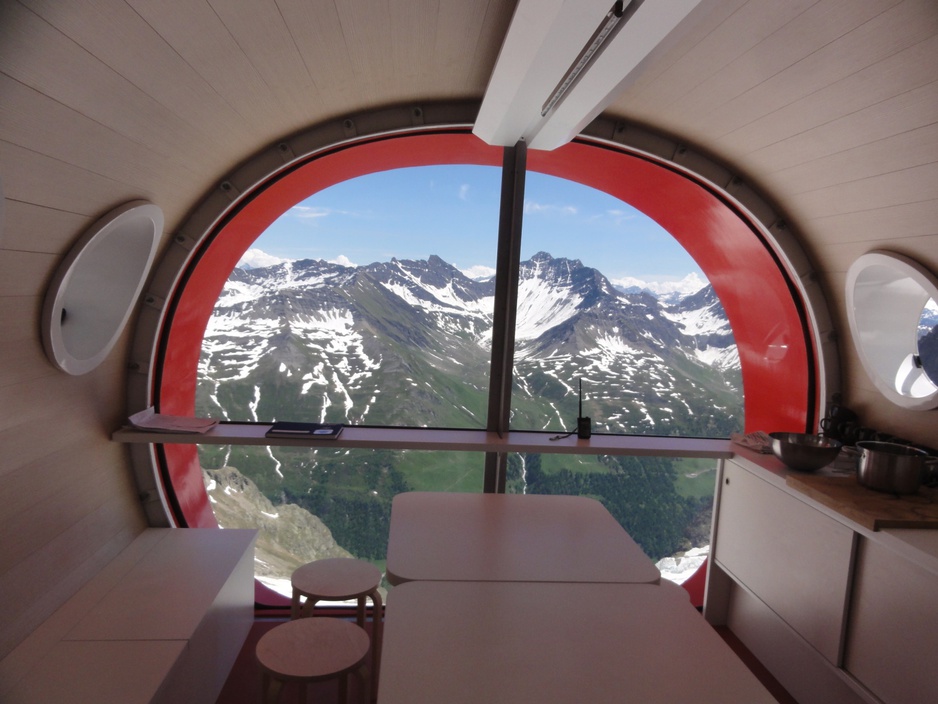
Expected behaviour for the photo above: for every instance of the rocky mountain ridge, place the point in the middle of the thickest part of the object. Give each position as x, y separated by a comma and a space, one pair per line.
320, 341
289, 536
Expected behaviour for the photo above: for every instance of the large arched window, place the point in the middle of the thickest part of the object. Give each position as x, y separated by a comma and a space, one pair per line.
760, 300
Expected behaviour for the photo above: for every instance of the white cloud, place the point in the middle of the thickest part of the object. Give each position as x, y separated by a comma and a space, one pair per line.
620, 216
304, 212
629, 281
479, 272
257, 259
691, 283
531, 206
342, 260
464, 192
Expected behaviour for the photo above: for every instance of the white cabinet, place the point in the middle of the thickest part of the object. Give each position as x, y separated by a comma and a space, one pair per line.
836, 612
795, 559
162, 623
892, 640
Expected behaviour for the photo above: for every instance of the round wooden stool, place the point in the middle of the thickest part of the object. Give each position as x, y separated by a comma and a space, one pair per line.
308, 650
341, 579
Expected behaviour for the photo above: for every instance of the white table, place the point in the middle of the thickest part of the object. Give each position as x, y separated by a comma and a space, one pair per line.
510, 537
555, 643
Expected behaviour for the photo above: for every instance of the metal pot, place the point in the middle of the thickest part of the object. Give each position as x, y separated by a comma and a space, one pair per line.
889, 466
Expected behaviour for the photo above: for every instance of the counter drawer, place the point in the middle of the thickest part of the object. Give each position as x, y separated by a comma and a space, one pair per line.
796, 560
892, 640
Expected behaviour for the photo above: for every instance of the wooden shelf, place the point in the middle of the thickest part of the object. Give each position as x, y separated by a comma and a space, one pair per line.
450, 440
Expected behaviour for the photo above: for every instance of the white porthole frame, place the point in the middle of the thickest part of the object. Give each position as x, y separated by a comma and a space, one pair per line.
886, 293
95, 288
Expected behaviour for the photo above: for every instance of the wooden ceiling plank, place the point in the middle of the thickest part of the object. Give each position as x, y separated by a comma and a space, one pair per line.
835, 39
120, 38
844, 254
316, 31
76, 139
203, 41
414, 28
483, 46
261, 32
43, 58
33, 228
644, 93
905, 112
906, 186
45, 181
366, 28
918, 219
742, 30
903, 71
21, 272
21, 354
807, 47
904, 150
43, 401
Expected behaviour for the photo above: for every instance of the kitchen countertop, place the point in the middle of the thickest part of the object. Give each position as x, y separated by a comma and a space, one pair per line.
875, 510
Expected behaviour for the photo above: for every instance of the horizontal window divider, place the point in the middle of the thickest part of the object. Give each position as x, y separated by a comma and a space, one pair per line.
453, 440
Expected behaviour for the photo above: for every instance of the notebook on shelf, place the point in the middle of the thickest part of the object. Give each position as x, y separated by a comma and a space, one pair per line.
293, 429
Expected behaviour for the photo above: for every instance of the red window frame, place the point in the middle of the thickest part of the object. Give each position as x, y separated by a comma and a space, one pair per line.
765, 311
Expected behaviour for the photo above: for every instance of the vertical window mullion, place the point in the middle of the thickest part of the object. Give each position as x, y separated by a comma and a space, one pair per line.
507, 272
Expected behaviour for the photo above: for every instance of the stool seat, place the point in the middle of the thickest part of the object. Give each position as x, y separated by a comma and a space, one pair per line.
341, 579
337, 578
307, 650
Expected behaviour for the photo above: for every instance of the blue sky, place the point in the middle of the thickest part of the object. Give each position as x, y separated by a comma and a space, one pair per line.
452, 211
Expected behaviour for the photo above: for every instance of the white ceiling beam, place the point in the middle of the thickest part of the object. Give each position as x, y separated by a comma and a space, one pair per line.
545, 39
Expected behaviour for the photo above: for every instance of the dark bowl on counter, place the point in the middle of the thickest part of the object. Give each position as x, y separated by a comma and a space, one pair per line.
804, 452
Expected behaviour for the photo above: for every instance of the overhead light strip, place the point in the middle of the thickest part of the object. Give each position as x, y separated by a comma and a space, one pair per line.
564, 61
606, 29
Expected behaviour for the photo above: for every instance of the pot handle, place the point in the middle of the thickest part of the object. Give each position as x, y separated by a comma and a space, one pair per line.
931, 474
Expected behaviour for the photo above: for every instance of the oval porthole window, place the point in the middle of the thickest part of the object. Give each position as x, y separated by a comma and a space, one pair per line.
890, 308
95, 287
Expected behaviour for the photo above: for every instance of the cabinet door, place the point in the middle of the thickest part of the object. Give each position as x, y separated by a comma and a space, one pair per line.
795, 559
893, 635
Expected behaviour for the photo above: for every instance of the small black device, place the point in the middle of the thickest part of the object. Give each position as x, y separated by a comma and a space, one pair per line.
584, 427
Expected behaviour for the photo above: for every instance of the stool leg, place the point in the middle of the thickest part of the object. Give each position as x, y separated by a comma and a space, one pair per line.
377, 633
343, 688
295, 604
361, 612
302, 609
306, 610
364, 676
270, 689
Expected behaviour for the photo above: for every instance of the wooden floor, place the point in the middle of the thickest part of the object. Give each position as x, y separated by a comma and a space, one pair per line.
244, 682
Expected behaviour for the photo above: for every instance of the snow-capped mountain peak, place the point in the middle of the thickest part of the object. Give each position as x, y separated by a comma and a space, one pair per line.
408, 342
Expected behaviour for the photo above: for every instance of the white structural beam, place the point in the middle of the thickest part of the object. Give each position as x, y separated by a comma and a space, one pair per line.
546, 38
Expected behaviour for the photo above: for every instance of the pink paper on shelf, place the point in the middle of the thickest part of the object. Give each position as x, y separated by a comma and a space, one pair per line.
158, 422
